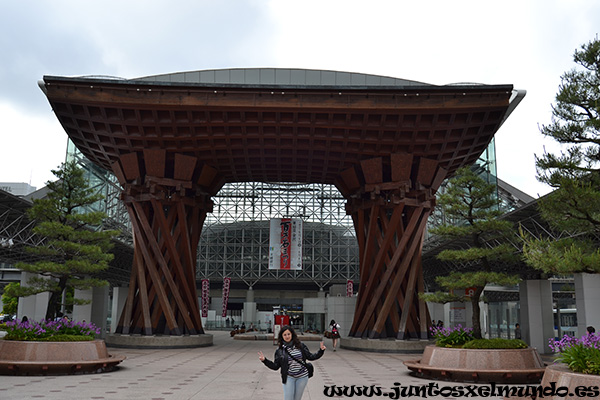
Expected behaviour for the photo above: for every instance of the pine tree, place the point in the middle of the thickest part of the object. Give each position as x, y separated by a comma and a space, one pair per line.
75, 247
471, 206
574, 172
10, 301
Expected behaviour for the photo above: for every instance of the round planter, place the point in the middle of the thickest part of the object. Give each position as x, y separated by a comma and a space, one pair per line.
479, 365
570, 383
158, 341
47, 358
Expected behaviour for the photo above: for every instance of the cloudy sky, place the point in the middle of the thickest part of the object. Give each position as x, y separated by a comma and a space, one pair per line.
527, 43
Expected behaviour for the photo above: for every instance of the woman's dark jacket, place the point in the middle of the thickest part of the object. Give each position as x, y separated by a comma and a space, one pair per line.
281, 359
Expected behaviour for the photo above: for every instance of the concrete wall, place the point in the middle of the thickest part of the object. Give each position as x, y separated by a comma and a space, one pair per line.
34, 307
537, 320
587, 295
341, 309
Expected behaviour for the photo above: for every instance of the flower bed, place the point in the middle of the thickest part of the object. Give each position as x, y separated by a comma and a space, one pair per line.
54, 347
451, 337
459, 337
56, 331
579, 354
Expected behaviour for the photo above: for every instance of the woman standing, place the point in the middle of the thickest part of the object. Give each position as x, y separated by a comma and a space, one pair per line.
291, 356
335, 332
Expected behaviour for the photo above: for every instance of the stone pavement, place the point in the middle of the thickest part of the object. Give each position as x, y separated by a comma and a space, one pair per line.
229, 369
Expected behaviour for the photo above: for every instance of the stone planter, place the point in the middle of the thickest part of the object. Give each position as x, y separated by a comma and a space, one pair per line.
569, 384
158, 341
55, 358
479, 365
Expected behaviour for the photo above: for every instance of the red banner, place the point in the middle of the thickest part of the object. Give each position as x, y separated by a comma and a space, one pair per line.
349, 288
226, 284
286, 243
205, 296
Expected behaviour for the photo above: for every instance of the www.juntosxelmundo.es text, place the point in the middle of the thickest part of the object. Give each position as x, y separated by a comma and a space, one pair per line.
433, 389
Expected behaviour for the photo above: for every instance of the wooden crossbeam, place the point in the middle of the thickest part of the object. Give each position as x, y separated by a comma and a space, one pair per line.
408, 297
396, 283
366, 255
385, 278
168, 202
141, 278
140, 224
126, 315
423, 312
155, 162
390, 203
176, 261
378, 264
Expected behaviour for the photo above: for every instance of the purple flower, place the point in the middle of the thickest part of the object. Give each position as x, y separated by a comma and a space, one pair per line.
31, 330
590, 340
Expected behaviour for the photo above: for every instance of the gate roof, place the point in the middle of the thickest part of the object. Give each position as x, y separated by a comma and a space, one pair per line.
279, 125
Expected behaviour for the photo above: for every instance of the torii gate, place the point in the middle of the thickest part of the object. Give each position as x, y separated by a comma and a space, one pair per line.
174, 140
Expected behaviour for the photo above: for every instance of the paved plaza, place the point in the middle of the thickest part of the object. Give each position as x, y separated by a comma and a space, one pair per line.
229, 369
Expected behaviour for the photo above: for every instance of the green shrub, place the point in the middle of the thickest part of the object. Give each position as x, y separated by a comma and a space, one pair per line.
579, 354
452, 337
580, 358
496, 343
68, 338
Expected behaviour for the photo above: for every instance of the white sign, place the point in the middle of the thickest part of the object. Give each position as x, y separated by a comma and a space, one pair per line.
458, 314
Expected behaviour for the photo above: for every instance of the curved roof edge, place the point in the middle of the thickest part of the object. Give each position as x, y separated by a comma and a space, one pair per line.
279, 76
288, 78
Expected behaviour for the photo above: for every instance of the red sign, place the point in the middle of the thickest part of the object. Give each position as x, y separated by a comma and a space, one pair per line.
286, 244
282, 320
205, 296
468, 292
349, 288
226, 284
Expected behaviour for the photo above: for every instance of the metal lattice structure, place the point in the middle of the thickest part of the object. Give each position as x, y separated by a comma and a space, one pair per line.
235, 238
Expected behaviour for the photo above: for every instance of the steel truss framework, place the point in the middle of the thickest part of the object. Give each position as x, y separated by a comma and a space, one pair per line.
235, 239
15, 230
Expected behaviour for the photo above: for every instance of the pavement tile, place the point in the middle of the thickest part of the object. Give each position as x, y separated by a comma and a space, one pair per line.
229, 369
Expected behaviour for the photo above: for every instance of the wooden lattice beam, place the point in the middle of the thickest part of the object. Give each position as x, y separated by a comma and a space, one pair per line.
167, 213
390, 210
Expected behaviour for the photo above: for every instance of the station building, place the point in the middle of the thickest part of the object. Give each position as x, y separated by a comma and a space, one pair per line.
234, 242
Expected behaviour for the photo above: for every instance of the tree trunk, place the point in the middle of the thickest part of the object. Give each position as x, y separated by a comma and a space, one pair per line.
53, 305
476, 311
55, 300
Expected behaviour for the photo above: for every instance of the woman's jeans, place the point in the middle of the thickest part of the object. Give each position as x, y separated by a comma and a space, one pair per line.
294, 387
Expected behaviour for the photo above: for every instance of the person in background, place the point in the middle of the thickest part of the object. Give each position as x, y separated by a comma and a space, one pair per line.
290, 357
335, 333
517, 331
590, 330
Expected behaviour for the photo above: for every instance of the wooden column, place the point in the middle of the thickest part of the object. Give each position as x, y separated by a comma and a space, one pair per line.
167, 197
390, 200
